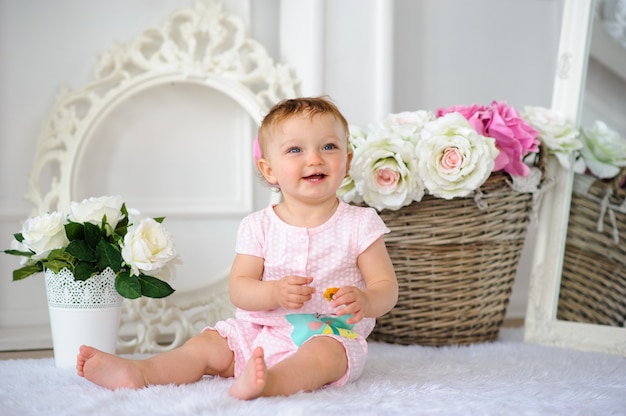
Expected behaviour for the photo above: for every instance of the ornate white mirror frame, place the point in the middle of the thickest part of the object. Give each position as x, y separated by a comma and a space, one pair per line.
203, 46
541, 324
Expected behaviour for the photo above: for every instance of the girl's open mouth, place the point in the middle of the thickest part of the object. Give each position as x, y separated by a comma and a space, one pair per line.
315, 177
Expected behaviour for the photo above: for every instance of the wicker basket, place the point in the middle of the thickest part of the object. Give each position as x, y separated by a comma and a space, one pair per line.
455, 265
593, 280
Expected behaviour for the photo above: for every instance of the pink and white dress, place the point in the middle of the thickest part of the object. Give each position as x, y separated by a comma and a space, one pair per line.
327, 253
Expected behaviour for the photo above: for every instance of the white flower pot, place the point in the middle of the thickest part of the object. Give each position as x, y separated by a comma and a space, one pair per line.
82, 312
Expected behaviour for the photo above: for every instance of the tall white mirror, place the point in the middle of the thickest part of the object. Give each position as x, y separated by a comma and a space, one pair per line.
573, 303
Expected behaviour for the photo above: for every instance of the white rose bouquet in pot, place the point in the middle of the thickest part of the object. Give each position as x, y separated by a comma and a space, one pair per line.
99, 234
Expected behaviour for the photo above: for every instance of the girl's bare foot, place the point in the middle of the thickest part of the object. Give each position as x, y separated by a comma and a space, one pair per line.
108, 370
250, 384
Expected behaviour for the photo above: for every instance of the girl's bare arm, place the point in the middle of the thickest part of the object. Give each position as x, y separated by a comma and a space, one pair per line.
380, 279
249, 292
381, 293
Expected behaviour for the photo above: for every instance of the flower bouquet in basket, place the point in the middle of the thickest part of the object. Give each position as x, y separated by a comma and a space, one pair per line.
455, 188
593, 280
98, 236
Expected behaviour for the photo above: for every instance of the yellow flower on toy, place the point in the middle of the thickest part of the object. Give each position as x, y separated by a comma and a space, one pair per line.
330, 293
329, 328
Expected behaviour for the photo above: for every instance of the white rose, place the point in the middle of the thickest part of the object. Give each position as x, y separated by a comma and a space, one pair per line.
147, 247
408, 124
44, 233
604, 150
554, 130
135, 216
454, 160
384, 171
94, 209
348, 192
357, 136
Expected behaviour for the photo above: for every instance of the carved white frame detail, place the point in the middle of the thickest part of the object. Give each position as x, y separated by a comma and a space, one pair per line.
541, 325
203, 45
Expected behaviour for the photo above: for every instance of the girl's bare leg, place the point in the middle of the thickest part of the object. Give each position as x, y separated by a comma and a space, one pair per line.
205, 354
318, 362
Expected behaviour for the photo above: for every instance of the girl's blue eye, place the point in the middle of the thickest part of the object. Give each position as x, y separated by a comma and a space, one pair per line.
330, 146
294, 150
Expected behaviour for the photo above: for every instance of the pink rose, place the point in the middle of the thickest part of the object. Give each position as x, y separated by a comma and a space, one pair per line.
387, 178
452, 159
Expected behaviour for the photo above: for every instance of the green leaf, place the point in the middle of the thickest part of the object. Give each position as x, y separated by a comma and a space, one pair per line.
93, 235
153, 287
58, 259
108, 256
159, 219
60, 254
122, 226
26, 271
128, 286
19, 253
84, 270
81, 250
57, 264
19, 237
74, 231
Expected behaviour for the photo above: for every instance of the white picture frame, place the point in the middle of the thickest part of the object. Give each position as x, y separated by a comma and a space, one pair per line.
203, 48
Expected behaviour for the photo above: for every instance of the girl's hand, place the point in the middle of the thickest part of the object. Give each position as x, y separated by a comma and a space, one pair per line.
292, 292
353, 300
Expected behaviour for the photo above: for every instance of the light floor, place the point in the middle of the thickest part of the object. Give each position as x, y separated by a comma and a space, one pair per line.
8, 355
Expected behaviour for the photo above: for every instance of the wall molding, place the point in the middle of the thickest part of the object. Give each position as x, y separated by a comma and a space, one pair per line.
26, 337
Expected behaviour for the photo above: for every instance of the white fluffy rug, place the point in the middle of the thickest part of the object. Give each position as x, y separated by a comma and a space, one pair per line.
506, 377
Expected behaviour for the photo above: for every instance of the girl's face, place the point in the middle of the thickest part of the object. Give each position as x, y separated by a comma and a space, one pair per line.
307, 157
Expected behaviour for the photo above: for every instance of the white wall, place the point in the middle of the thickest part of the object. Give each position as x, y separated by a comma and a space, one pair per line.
371, 56
43, 47
443, 52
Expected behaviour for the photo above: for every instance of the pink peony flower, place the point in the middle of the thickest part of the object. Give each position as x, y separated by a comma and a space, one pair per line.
473, 113
514, 137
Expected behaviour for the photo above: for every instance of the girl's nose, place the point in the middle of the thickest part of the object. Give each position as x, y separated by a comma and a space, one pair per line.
315, 158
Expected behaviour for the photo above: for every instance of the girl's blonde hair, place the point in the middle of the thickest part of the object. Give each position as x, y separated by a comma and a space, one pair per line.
310, 106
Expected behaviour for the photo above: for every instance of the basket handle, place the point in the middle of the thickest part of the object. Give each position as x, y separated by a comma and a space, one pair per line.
619, 181
542, 158
616, 185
